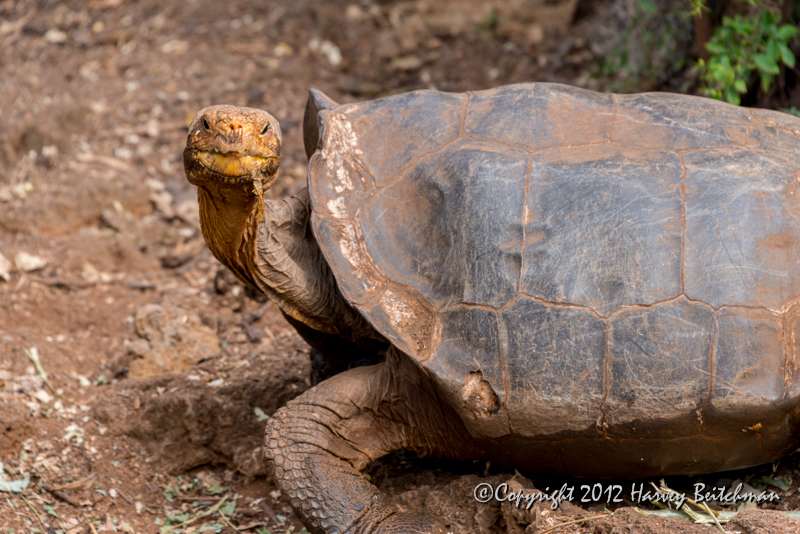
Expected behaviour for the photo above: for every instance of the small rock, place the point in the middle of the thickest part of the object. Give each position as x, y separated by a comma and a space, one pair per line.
43, 397
412, 33
5, 268
282, 49
189, 211
175, 47
138, 348
534, 35
386, 45
355, 13
152, 128
163, 202
254, 333
407, 63
327, 49
55, 36
84, 382
90, 273
50, 151
28, 262
171, 340
224, 280
9, 192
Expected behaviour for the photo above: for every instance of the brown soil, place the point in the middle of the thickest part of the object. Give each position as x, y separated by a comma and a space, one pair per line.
165, 368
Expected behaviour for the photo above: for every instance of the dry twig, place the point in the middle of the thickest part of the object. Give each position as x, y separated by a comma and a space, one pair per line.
208, 512
32, 508
78, 484
63, 496
33, 354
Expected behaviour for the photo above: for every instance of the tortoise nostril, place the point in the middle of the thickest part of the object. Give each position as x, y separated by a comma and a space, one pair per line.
234, 129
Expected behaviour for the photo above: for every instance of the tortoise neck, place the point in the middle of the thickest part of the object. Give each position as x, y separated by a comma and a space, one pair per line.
229, 218
269, 245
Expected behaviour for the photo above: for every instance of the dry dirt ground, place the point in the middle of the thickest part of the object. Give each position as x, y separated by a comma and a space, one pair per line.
161, 368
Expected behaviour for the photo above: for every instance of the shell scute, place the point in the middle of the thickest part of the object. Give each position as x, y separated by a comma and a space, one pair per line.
604, 227
544, 115
451, 227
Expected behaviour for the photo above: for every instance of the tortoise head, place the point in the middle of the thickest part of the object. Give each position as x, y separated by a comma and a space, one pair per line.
233, 147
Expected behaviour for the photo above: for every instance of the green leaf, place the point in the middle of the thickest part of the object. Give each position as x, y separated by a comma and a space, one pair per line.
786, 56
648, 6
216, 489
49, 510
766, 64
786, 32
263, 531
216, 527
178, 518
15, 486
778, 482
766, 81
715, 48
228, 509
723, 34
740, 86
732, 97
773, 51
743, 26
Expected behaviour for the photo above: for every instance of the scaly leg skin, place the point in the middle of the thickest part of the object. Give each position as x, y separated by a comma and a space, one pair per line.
316, 445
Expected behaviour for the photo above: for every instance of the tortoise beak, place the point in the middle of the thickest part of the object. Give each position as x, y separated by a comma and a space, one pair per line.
232, 167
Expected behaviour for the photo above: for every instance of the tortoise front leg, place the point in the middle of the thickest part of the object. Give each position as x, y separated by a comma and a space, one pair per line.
316, 445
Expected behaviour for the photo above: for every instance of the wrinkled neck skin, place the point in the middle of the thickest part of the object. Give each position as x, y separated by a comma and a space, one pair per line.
229, 219
269, 244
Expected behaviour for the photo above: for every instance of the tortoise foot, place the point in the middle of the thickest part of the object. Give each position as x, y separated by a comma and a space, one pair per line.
316, 445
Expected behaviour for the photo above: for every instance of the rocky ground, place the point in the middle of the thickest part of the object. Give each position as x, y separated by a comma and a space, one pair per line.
135, 373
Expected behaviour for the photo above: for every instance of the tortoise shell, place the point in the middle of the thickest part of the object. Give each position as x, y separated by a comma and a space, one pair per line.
619, 273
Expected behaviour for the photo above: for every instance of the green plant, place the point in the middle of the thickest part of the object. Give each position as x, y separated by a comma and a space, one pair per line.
742, 46
648, 49
488, 26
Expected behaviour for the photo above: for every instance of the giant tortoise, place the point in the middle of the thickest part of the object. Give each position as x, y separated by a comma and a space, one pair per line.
563, 281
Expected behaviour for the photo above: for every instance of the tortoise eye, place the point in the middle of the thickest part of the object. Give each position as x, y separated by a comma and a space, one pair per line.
264, 131
205, 124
